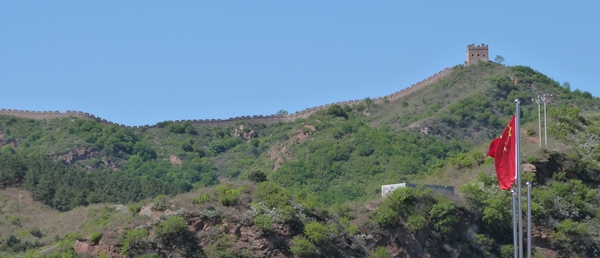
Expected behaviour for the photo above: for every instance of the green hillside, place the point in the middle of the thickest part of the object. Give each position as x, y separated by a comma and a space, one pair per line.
323, 176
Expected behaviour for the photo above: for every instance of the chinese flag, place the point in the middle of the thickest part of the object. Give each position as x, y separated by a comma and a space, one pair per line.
503, 151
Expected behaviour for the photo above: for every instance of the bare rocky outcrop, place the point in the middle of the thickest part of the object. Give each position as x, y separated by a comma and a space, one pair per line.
528, 168
303, 135
175, 160
94, 250
246, 135
85, 153
280, 155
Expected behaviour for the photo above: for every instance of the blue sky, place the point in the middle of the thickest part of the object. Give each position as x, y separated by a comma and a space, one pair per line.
142, 62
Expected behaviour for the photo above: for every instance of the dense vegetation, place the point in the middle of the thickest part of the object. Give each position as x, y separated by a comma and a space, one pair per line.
313, 176
65, 188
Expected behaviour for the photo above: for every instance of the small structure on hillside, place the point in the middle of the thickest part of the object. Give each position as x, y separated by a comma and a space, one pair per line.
477, 53
443, 189
386, 189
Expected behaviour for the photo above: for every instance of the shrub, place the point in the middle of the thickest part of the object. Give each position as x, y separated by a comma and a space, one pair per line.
272, 195
442, 213
134, 242
160, 202
385, 216
531, 159
217, 146
316, 232
201, 199
220, 245
15, 221
495, 213
528, 177
227, 195
507, 251
360, 107
381, 252
255, 142
171, 227
461, 160
483, 240
484, 243
416, 222
263, 222
135, 208
15, 245
95, 237
352, 229
144, 151
569, 235
301, 246
210, 213
173, 235
36, 232
478, 157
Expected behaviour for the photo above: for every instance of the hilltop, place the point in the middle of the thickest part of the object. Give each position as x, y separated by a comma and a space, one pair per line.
308, 184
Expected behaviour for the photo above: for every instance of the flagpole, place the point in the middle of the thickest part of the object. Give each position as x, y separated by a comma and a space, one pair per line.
514, 211
528, 219
518, 173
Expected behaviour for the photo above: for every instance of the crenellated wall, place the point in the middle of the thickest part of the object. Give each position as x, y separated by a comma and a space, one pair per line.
224, 122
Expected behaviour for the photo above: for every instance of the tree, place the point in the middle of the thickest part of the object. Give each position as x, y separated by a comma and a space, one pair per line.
281, 112
144, 150
499, 59
337, 110
257, 176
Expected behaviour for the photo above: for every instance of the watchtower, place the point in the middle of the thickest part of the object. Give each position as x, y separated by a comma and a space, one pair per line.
477, 53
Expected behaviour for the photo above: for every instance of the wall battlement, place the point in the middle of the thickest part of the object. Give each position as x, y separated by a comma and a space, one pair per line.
481, 47
48, 115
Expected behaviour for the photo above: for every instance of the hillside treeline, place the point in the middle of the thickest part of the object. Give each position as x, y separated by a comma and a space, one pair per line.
63, 187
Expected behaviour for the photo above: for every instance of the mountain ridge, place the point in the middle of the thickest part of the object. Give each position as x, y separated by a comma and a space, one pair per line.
224, 122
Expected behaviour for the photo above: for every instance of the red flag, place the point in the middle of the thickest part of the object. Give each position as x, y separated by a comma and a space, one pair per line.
503, 151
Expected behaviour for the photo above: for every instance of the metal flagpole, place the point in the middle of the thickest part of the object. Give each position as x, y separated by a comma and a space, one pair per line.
518, 173
528, 219
514, 211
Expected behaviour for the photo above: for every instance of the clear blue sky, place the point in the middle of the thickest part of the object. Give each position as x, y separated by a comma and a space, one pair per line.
142, 62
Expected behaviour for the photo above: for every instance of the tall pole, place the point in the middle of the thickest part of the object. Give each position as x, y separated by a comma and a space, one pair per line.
514, 215
545, 99
518, 173
538, 100
528, 219
545, 127
540, 124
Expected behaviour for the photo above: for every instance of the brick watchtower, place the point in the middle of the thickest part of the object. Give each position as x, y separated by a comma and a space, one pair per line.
477, 53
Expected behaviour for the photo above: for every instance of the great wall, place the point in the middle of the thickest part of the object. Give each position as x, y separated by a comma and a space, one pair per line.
231, 121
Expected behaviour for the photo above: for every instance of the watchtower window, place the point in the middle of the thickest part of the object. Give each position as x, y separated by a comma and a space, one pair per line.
472, 54
477, 54
483, 54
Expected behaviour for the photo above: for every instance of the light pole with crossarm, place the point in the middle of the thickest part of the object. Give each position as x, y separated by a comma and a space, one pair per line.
545, 98
538, 100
